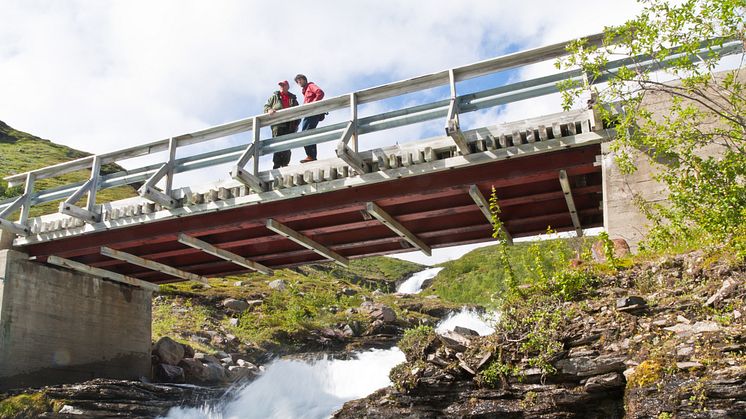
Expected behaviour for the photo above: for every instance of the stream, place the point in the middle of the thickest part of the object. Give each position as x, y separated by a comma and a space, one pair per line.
304, 389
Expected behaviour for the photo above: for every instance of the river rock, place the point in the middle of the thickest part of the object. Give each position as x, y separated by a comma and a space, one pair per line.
238, 306
236, 373
166, 373
207, 359
465, 331
454, 340
188, 351
195, 371
168, 351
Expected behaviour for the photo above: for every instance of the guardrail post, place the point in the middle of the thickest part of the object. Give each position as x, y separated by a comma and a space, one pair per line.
353, 118
252, 152
28, 191
453, 128
344, 152
171, 165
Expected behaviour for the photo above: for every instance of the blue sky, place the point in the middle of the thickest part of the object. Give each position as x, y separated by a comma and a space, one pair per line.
99, 75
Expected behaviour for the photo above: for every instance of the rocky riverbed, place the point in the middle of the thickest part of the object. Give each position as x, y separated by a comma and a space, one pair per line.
662, 339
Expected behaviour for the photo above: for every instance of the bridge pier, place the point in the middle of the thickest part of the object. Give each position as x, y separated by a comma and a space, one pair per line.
59, 326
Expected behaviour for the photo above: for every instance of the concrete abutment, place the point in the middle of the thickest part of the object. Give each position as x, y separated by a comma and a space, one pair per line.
60, 326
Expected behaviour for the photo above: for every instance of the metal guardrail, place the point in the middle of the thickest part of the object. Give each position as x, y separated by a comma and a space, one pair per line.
345, 132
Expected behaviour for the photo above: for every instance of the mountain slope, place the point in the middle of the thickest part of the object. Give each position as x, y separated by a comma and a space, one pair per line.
21, 152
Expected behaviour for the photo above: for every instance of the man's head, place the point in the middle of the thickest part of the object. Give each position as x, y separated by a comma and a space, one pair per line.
301, 80
284, 86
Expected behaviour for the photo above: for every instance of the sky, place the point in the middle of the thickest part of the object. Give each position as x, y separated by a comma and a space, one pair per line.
100, 75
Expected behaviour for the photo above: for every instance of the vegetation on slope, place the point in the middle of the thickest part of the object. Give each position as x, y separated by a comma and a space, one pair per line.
21, 152
314, 298
698, 148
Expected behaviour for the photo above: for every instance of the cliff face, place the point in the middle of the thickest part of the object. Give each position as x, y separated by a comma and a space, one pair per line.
661, 339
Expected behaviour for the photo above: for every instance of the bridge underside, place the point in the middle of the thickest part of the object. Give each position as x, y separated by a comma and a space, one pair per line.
436, 207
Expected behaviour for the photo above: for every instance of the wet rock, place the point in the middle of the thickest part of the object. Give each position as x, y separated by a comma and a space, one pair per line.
605, 382
236, 373
166, 373
238, 306
278, 284
205, 358
168, 351
454, 340
465, 331
195, 371
188, 351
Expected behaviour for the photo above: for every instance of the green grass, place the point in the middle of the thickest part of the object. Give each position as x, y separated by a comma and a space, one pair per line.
26, 406
312, 300
479, 277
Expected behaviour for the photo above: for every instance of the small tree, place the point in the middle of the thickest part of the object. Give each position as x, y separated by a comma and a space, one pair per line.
701, 140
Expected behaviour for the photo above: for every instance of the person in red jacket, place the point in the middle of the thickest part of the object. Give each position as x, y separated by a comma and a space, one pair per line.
311, 93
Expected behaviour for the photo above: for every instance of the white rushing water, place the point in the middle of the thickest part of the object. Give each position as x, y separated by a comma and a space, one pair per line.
413, 284
471, 319
293, 388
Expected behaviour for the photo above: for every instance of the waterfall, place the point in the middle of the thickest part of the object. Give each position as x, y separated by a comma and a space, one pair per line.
292, 388
413, 284
471, 319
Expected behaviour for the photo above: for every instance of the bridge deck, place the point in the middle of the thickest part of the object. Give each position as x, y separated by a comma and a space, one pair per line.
424, 186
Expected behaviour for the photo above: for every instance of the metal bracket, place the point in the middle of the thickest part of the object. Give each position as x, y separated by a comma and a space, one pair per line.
239, 173
151, 192
89, 213
344, 152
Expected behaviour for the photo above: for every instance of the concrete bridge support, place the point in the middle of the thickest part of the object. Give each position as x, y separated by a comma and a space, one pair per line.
60, 326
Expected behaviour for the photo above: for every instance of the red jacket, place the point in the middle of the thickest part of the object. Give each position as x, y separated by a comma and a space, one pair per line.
312, 93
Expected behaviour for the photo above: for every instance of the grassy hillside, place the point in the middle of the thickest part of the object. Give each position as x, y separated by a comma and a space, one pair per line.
315, 297
479, 277
21, 152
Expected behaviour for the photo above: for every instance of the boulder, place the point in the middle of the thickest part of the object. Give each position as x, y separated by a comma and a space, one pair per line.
465, 331
168, 351
605, 382
278, 284
188, 351
236, 373
238, 306
215, 373
384, 313
206, 359
194, 370
166, 373
589, 366
454, 340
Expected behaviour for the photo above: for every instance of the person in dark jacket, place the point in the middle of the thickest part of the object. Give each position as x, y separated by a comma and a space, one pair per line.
311, 93
282, 99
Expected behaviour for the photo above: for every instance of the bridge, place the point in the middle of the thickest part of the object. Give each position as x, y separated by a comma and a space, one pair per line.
417, 194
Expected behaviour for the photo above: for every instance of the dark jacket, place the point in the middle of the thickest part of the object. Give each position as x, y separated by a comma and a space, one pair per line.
274, 102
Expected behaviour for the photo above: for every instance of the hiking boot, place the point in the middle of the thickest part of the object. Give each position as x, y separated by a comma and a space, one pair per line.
307, 159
